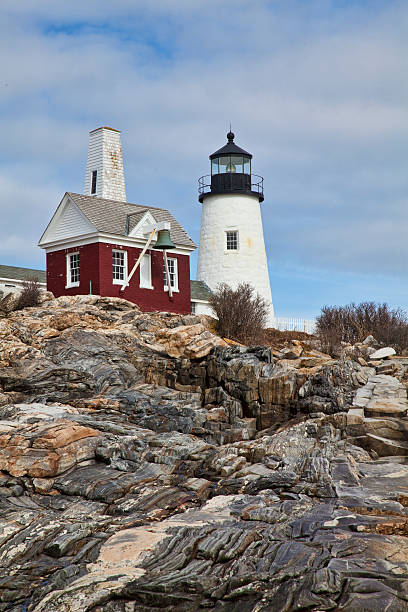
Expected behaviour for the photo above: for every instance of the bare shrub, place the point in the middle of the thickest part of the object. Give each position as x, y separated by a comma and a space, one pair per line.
30, 295
241, 313
354, 322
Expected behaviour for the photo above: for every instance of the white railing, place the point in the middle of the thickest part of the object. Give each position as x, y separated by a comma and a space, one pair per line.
295, 324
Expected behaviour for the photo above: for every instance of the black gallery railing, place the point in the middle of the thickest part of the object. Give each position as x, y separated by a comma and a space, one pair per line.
230, 182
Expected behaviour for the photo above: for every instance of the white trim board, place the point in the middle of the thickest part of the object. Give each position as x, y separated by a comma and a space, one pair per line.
107, 239
17, 280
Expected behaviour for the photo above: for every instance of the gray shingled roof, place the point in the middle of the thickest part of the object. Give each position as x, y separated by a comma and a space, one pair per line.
199, 290
110, 216
15, 273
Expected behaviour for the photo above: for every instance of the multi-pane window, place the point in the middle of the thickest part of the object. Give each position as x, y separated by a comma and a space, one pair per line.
93, 183
72, 269
172, 263
118, 265
232, 240
193, 307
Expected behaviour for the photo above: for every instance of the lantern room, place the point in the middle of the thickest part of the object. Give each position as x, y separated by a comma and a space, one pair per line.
231, 172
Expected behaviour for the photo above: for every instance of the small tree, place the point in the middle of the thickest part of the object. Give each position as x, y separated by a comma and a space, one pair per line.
30, 295
241, 313
354, 322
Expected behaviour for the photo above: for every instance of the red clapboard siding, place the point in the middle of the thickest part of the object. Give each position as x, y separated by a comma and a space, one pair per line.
96, 266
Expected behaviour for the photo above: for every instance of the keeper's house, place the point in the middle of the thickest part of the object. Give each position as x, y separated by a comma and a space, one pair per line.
100, 244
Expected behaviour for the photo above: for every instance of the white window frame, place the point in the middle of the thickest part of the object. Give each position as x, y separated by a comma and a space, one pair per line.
146, 261
121, 281
69, 282
175, 264
231, 231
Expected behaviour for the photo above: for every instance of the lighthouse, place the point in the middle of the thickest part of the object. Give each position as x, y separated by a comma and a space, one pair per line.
232, 247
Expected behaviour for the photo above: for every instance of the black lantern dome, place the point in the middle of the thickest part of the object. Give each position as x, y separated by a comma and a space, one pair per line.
231, 172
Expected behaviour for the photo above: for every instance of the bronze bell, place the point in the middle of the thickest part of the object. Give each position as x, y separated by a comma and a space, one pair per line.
164, 241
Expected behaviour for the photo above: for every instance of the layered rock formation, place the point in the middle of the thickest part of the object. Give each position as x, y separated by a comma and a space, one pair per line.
145, 465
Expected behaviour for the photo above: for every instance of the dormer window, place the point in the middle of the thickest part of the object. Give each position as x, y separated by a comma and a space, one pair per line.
93, 183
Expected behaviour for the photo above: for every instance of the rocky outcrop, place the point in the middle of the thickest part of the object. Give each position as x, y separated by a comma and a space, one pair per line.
146, 466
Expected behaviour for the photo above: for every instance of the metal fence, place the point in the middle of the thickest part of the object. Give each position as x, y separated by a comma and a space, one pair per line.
295, 324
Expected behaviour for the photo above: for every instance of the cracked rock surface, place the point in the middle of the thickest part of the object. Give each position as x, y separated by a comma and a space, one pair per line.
146, 467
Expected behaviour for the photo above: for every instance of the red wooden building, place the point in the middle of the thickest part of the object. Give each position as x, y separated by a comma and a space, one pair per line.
92, 243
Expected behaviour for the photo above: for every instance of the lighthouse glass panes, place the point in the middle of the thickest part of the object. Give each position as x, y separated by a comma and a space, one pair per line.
232, 240
118, 265
231, 164
172, 263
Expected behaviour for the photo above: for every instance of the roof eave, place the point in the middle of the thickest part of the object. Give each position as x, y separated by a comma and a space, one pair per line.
108, 236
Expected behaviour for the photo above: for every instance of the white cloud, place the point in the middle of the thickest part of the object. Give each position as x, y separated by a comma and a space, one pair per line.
317, 93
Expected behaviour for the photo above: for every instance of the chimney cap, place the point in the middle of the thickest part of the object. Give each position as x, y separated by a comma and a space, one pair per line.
104, 127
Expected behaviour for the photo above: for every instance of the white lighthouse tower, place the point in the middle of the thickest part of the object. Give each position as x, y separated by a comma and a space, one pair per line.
232, 247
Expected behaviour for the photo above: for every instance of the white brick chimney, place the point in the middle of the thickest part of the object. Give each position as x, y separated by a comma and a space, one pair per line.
105, 177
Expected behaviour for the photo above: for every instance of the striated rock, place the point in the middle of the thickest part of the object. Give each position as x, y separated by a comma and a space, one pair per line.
139, 473
45, 451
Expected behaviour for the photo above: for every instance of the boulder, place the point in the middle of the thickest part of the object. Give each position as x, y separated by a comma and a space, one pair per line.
370, 341
191, 341
383, 353
8, 303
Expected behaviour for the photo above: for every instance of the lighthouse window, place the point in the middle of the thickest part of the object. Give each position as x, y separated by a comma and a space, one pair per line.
119, 267
93, 186
230, 164
225, 164
172, 263
236, 163
232, 240
72, 270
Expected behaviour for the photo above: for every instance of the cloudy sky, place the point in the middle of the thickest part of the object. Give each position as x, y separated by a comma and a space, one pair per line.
316, 90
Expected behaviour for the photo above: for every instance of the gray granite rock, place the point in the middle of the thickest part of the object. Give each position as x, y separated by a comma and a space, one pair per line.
238, 481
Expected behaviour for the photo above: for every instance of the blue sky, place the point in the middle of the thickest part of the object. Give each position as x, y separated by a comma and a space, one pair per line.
316, 90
